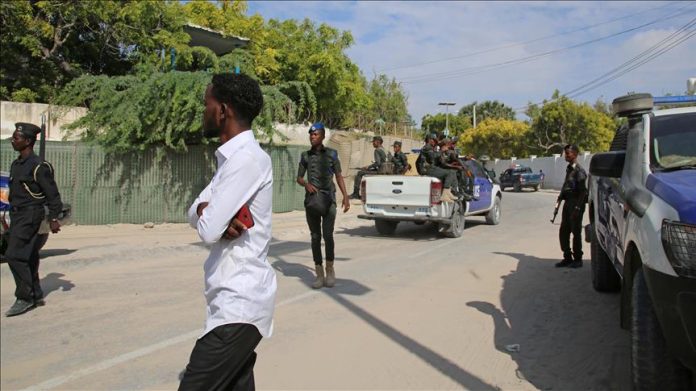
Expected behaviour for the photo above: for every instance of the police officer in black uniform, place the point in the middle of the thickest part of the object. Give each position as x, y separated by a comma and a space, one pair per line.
574, 195
321, 164
380, 156
428, 164
32, 187
400, 160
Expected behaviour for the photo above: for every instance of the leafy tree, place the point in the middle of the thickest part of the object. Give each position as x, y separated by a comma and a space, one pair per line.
436, 123
51, 42
137, 112
563, 121
487, 109
497, 137
388, 102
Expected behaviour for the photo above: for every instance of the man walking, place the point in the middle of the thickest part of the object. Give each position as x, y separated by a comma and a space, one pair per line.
32, 187
321, 164
380, 156
574, 195
240, 284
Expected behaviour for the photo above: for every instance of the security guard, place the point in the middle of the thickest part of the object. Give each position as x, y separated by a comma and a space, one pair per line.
428, 164
31, 187
380, 156
449, 160
321, 164
574, 195
400, 160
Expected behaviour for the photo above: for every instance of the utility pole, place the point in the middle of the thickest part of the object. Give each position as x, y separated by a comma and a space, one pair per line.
474, 115
447, 105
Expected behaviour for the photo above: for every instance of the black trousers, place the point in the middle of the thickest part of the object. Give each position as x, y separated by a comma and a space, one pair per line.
570, 224
446, 176
322, 226
223, 359
358, 179
23, 253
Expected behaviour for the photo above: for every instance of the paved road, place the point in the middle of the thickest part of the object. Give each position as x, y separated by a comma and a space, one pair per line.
413, 311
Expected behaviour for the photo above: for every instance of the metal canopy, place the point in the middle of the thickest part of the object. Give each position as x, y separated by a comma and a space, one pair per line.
214, 40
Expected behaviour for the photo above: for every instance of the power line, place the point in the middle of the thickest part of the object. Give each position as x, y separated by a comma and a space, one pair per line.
666, 44
487, 67
527, 42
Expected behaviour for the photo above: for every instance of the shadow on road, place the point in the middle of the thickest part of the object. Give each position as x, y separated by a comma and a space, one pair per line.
405, 231
54, 252
345, 287
53, 282
568, 335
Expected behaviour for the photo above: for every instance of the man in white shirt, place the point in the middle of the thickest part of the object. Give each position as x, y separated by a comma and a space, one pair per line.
240, 284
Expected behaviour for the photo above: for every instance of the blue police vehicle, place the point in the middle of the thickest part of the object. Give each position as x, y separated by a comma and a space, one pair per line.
642, 205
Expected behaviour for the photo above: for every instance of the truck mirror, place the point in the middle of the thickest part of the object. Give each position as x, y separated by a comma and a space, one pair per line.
608, 164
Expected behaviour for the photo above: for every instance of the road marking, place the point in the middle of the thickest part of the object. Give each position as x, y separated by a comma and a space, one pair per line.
106, 364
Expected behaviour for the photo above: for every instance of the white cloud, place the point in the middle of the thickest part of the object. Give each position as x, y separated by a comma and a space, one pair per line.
392, 34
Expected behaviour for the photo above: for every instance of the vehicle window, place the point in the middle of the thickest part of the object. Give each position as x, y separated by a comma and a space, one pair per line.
507, 172
476, 168
524, 170
673, 141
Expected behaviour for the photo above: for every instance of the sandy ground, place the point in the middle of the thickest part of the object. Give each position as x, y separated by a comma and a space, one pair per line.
413, 311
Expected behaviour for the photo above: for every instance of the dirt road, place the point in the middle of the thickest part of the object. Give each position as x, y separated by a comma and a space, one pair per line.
413, 311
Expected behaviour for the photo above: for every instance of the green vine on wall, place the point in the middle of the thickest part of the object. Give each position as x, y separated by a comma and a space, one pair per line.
131, 113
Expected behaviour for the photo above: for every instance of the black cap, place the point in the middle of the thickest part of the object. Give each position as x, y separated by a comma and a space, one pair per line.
378, 138
397, 143
572, 147
28, 130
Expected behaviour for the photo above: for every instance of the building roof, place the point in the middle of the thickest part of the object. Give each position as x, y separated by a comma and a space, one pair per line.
214, 40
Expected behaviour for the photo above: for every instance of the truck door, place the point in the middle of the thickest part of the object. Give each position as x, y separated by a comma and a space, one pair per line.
482, 188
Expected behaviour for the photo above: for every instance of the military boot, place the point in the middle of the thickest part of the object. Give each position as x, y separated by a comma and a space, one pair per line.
319, 281
447, 196
330, 275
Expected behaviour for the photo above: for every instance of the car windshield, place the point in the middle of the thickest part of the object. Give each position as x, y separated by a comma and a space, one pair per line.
673, 141
523, 170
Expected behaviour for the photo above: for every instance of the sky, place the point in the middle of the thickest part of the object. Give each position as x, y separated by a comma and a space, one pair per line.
463, 52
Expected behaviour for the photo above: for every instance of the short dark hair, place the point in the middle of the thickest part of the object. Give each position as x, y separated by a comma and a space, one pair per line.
571, 147
241, 92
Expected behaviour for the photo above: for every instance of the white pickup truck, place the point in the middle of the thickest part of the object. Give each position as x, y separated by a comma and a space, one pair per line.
390, 199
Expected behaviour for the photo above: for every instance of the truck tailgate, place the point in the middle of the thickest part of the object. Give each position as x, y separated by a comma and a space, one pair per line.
394, 195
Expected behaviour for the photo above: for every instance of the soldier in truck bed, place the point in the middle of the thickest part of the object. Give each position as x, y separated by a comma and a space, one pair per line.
380, 156
427, 164
400, 160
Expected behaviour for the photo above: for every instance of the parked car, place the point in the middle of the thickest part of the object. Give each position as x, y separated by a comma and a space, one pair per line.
391, 199
519, 177
642, 207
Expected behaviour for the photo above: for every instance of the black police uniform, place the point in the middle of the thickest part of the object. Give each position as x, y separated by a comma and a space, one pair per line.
430, 165
32, 186
574, 195
380, 156
400, 163
320, 166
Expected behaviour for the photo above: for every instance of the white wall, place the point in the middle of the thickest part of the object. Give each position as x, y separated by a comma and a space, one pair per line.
12, 112
554, 167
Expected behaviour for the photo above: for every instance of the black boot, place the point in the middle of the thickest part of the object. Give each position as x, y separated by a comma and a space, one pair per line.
566, 263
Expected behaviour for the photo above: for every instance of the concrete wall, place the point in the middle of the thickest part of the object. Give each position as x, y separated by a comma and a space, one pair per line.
58, 117
554, 167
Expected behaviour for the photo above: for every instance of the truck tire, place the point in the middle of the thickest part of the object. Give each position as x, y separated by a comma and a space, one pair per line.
517, 187
536, 187
456, 228
604, 276
652, 366
502, 188
386, 227
493, 215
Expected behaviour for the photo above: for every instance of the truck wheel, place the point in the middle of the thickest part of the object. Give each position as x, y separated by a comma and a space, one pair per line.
536, 187
517, 187
385, 227
604, 276
456, 228
502, 188
493, 215
651, 365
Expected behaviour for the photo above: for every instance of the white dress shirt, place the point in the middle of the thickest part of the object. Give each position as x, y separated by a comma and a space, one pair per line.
240, 284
